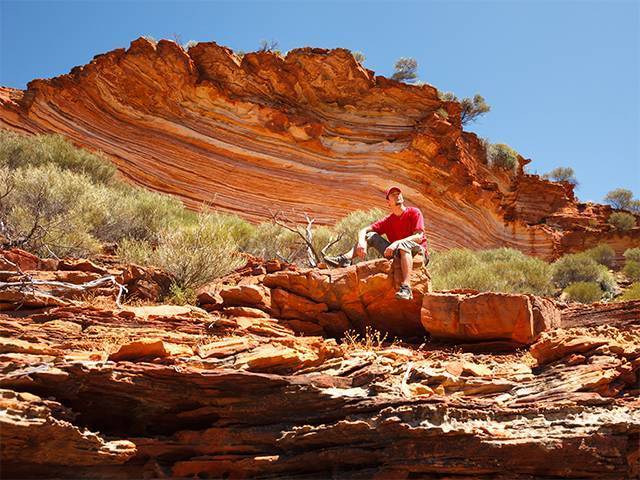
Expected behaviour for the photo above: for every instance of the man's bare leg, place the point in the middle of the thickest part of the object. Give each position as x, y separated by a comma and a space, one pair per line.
406, 264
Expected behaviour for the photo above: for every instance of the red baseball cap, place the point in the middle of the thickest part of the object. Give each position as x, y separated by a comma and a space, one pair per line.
391, 189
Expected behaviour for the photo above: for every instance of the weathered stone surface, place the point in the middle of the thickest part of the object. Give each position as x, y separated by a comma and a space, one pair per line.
253, 405
300, 129
149, 348
473, 317
38, 437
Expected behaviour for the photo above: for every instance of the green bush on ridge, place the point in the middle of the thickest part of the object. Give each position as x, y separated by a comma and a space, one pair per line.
622, 221
632, 270
500, 155
498, 270
632, 254
583, 292
603, 254
632, 293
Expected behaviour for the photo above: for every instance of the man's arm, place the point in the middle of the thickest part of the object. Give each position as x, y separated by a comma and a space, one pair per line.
361, 247
362, 235
417, 237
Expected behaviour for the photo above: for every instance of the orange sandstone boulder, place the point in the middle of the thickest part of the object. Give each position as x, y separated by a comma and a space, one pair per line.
487, 316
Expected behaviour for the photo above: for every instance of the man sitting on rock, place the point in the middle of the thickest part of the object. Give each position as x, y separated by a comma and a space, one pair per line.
404, 228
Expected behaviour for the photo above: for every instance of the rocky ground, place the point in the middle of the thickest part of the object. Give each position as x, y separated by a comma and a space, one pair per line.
269, 378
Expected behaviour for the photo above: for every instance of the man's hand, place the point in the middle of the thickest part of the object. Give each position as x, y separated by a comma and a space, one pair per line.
389, 251
361, 250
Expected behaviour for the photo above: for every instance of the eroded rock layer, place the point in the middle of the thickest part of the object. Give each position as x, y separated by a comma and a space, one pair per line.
314, 131
88, 390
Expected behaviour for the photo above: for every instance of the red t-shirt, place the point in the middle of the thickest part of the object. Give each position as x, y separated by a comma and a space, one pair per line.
397, 227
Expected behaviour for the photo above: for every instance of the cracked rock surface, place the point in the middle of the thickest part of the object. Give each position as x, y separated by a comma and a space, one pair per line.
157, 391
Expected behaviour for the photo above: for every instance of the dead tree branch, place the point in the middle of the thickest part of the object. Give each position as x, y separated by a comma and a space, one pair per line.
306, 234
28, 282
331, 243
32, 283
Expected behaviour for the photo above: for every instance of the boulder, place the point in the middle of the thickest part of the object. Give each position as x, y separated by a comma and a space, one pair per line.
354, 297
487, 316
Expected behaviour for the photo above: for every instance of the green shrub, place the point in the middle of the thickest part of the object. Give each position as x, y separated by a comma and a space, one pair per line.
46, 211
139, 252
405, 70
240, 230
607, 282
358, 57
632, 270
51, 210
579, 267
632, 254
502, 156
583, 292
473, 108
194, 255
273, 241
442, 113
499, 270
21, 151
62, 200
622, 221
561, 174
603, 254
131, 212
573, 268
181, 295
349, 226
632, 293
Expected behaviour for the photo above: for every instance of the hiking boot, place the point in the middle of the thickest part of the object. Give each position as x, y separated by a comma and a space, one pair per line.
338, 261
404, 293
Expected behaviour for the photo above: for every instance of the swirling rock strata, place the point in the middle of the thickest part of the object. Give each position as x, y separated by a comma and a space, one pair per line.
313, 130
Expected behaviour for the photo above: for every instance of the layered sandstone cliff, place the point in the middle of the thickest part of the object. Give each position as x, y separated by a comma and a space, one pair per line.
312, 131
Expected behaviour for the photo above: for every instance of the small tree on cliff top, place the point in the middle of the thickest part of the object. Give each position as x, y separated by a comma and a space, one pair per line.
472, 108
500, 155
269, 46
561, 174
405, 70
359, 57
620, 198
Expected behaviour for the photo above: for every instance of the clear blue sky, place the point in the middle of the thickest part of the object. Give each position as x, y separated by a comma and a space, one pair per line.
562, 78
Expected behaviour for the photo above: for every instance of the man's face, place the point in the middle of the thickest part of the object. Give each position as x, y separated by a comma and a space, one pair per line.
395, 198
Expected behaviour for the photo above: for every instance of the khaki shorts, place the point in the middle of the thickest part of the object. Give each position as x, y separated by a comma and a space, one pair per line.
380, 243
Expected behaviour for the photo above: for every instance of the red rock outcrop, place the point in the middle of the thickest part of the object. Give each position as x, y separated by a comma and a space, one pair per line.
155, 391
313, 128
331, 302
244, 397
